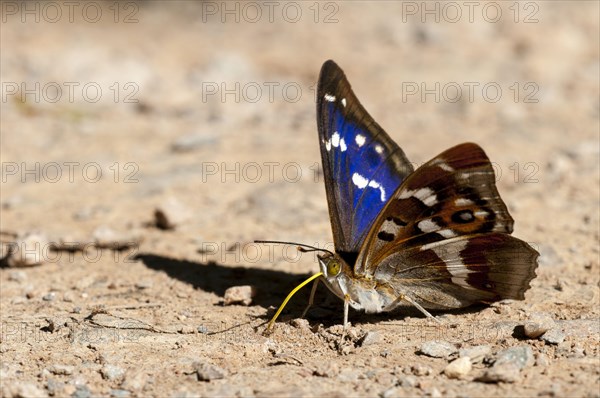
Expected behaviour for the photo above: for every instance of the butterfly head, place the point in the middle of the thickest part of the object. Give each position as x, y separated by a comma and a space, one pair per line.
334, 270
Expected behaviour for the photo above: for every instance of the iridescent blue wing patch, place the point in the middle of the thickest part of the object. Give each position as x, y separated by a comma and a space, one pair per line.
362, 166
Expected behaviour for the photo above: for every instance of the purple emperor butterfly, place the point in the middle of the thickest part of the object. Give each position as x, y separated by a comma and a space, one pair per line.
434, 238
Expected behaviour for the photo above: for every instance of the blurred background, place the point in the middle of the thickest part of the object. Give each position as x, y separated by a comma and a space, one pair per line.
189, 128
113, 106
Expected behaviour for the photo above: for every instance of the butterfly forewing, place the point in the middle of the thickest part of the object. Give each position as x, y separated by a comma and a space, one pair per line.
361, 164
445, 232
454, 194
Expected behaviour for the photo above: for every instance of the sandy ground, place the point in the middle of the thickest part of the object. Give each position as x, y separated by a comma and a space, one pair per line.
106, 117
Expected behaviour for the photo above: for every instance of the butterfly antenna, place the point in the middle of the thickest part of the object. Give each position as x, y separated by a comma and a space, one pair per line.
301, 246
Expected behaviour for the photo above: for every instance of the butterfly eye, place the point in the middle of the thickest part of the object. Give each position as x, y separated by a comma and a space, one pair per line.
333, 268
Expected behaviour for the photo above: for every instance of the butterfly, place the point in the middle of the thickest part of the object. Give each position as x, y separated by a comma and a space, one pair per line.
436, 238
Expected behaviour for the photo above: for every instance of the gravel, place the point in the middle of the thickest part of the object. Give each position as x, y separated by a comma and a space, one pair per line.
370, 338
521, 356
112, 372
437, 349
206, 371
239, 295
506, 373
476, 353
554, 336
538, 324
170, 214
29, 250
458, 368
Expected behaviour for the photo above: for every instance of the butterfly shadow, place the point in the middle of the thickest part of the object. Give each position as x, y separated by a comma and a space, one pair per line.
271, 286
271, 289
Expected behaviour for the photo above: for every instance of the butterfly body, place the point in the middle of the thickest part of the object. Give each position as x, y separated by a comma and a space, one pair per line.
437, 237
362, 293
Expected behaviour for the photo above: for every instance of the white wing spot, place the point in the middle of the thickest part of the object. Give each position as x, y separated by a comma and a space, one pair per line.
463, 202
360, 140
425, 195
359, 180
445, 166
447, 233
343, 146
376, 185
390, 227
335, 139
329, 97
428, 225
344, 102
467, 174
442, 165
481, 213
378, 149
328, 145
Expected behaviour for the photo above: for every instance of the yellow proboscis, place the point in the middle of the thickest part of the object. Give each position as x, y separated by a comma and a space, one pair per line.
300, 286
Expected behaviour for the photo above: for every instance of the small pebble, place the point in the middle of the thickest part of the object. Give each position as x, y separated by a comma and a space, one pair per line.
106, 238
458, 368
28, 250
327, 369
476, 353
370, 338
300, 323
346, 349
577, 352
239, 295
17, 276
207, 372
56, 323
542, 360
521, 356
393, 393
134, 380
203, 329
506, 373
187, 329
82, 391
171, 213
49, 296
22, 390
408, 381
120, 393
68, 296
55, 387
143, 285
112, 372
554, 336
61, 369
348, 375
538, 324
421, 370
437, 349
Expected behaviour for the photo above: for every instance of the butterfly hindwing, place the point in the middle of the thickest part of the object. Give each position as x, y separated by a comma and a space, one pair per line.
361, 164
461, 271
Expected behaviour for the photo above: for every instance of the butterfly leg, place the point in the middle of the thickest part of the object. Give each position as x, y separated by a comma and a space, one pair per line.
312, 298
415, 304
345, 328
